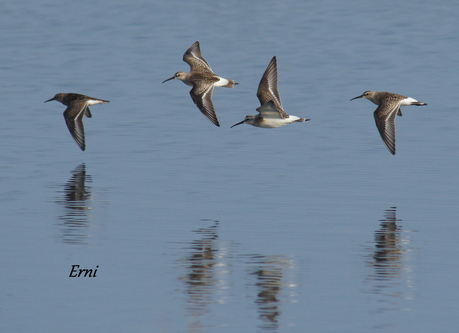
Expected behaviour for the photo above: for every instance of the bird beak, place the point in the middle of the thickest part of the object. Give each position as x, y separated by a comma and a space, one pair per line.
169, 79
238, 123
52, 99
356, 97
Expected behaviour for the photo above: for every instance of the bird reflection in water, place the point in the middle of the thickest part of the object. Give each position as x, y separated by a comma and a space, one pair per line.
76, 199
200, 279
269, 271
388, 250
389, 261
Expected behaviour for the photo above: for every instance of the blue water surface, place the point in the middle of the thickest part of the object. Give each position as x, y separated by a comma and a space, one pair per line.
310, 227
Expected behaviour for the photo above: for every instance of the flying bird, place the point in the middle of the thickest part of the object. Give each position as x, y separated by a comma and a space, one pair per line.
77, 107
388, 108
203, 80
271, 114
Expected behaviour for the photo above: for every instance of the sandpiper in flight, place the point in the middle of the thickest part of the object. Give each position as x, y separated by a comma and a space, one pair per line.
271, 113
77, 107
203, 80
388, 108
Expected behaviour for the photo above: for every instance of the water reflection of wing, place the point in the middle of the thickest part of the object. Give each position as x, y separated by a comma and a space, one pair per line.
269, 271
206, 278
388, 250
388, 263
200, 279
76, 199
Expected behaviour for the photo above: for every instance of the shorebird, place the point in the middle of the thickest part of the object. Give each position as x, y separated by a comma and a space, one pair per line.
77, 107
271, 114
203, 80
388, 108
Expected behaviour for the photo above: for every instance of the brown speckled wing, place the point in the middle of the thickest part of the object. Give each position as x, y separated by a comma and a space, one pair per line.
194, 58
73, 116
202, 97
267, 89
385, 121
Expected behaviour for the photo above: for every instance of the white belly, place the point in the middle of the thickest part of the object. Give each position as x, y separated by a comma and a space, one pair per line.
276, 122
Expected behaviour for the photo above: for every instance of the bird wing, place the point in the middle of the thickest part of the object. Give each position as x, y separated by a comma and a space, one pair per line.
267, 89
270, 110
202, 97
73, 116
194, 58
385, 122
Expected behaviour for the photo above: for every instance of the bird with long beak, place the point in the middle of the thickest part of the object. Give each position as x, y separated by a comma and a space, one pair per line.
388, 108
77, 107
203, 80
271, 114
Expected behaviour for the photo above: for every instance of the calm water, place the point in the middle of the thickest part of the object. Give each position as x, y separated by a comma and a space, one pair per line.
311, 227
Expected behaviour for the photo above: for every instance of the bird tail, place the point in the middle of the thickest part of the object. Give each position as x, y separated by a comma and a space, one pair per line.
230, 83
302, 120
